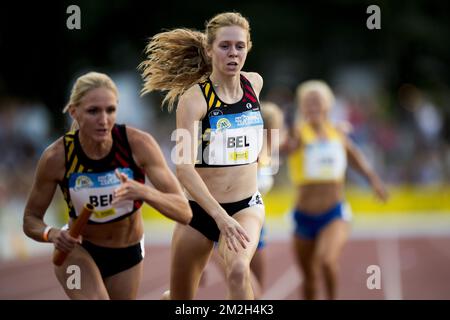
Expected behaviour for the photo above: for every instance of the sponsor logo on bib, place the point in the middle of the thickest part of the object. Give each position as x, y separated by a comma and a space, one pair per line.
83, 182
215, 113
223, 124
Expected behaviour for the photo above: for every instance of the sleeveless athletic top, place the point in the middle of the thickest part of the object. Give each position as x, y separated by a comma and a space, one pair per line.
93, 181
318, 160
231, 134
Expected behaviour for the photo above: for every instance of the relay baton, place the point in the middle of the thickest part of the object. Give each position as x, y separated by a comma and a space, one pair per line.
74, 231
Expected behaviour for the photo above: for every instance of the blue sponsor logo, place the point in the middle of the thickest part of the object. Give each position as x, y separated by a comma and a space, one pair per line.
84, 180
237, 120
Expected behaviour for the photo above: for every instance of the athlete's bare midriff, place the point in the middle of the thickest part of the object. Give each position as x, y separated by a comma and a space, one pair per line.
119, 234
230, 184
317, 198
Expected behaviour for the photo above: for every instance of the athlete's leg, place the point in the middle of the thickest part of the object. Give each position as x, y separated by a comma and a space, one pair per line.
257, 272
124, 285
304, 253
254, 278
80, 263
237, 264
330, 242
189, 254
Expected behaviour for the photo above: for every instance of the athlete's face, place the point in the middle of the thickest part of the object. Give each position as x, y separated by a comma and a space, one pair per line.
313, 107
96, 114
229, 50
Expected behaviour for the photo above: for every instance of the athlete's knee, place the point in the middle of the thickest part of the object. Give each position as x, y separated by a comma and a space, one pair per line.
238, 273
329, 265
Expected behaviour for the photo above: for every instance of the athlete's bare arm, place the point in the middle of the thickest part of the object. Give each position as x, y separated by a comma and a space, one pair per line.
358, 161
167, 196
49, 173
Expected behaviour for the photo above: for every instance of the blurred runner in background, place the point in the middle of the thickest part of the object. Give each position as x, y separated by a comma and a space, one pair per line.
318, 155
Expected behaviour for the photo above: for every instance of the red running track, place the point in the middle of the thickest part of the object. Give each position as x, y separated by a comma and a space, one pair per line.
411, 268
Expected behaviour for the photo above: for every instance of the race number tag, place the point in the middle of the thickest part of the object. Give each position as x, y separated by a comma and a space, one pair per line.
98, 190
325, 160
235, 139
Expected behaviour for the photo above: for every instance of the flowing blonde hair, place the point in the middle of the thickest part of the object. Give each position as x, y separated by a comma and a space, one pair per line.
177, 59
84, 84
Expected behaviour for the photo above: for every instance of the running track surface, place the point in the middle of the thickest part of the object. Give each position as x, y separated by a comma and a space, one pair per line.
416, 267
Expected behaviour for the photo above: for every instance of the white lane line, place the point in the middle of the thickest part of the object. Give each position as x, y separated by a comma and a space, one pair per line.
285, 285
391, 278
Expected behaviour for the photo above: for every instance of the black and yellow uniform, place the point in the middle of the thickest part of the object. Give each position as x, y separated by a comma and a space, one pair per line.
206, 225
232, 135
93, 181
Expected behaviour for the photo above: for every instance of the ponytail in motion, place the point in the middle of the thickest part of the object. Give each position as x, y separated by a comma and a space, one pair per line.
177, 59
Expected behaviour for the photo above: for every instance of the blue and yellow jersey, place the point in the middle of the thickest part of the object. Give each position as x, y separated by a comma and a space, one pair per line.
318, 160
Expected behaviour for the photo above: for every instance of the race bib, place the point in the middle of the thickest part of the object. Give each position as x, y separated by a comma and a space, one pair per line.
234, 139
325, 160
98, 190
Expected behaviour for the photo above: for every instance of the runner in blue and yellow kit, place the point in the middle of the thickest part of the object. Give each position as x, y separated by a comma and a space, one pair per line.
319, 153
